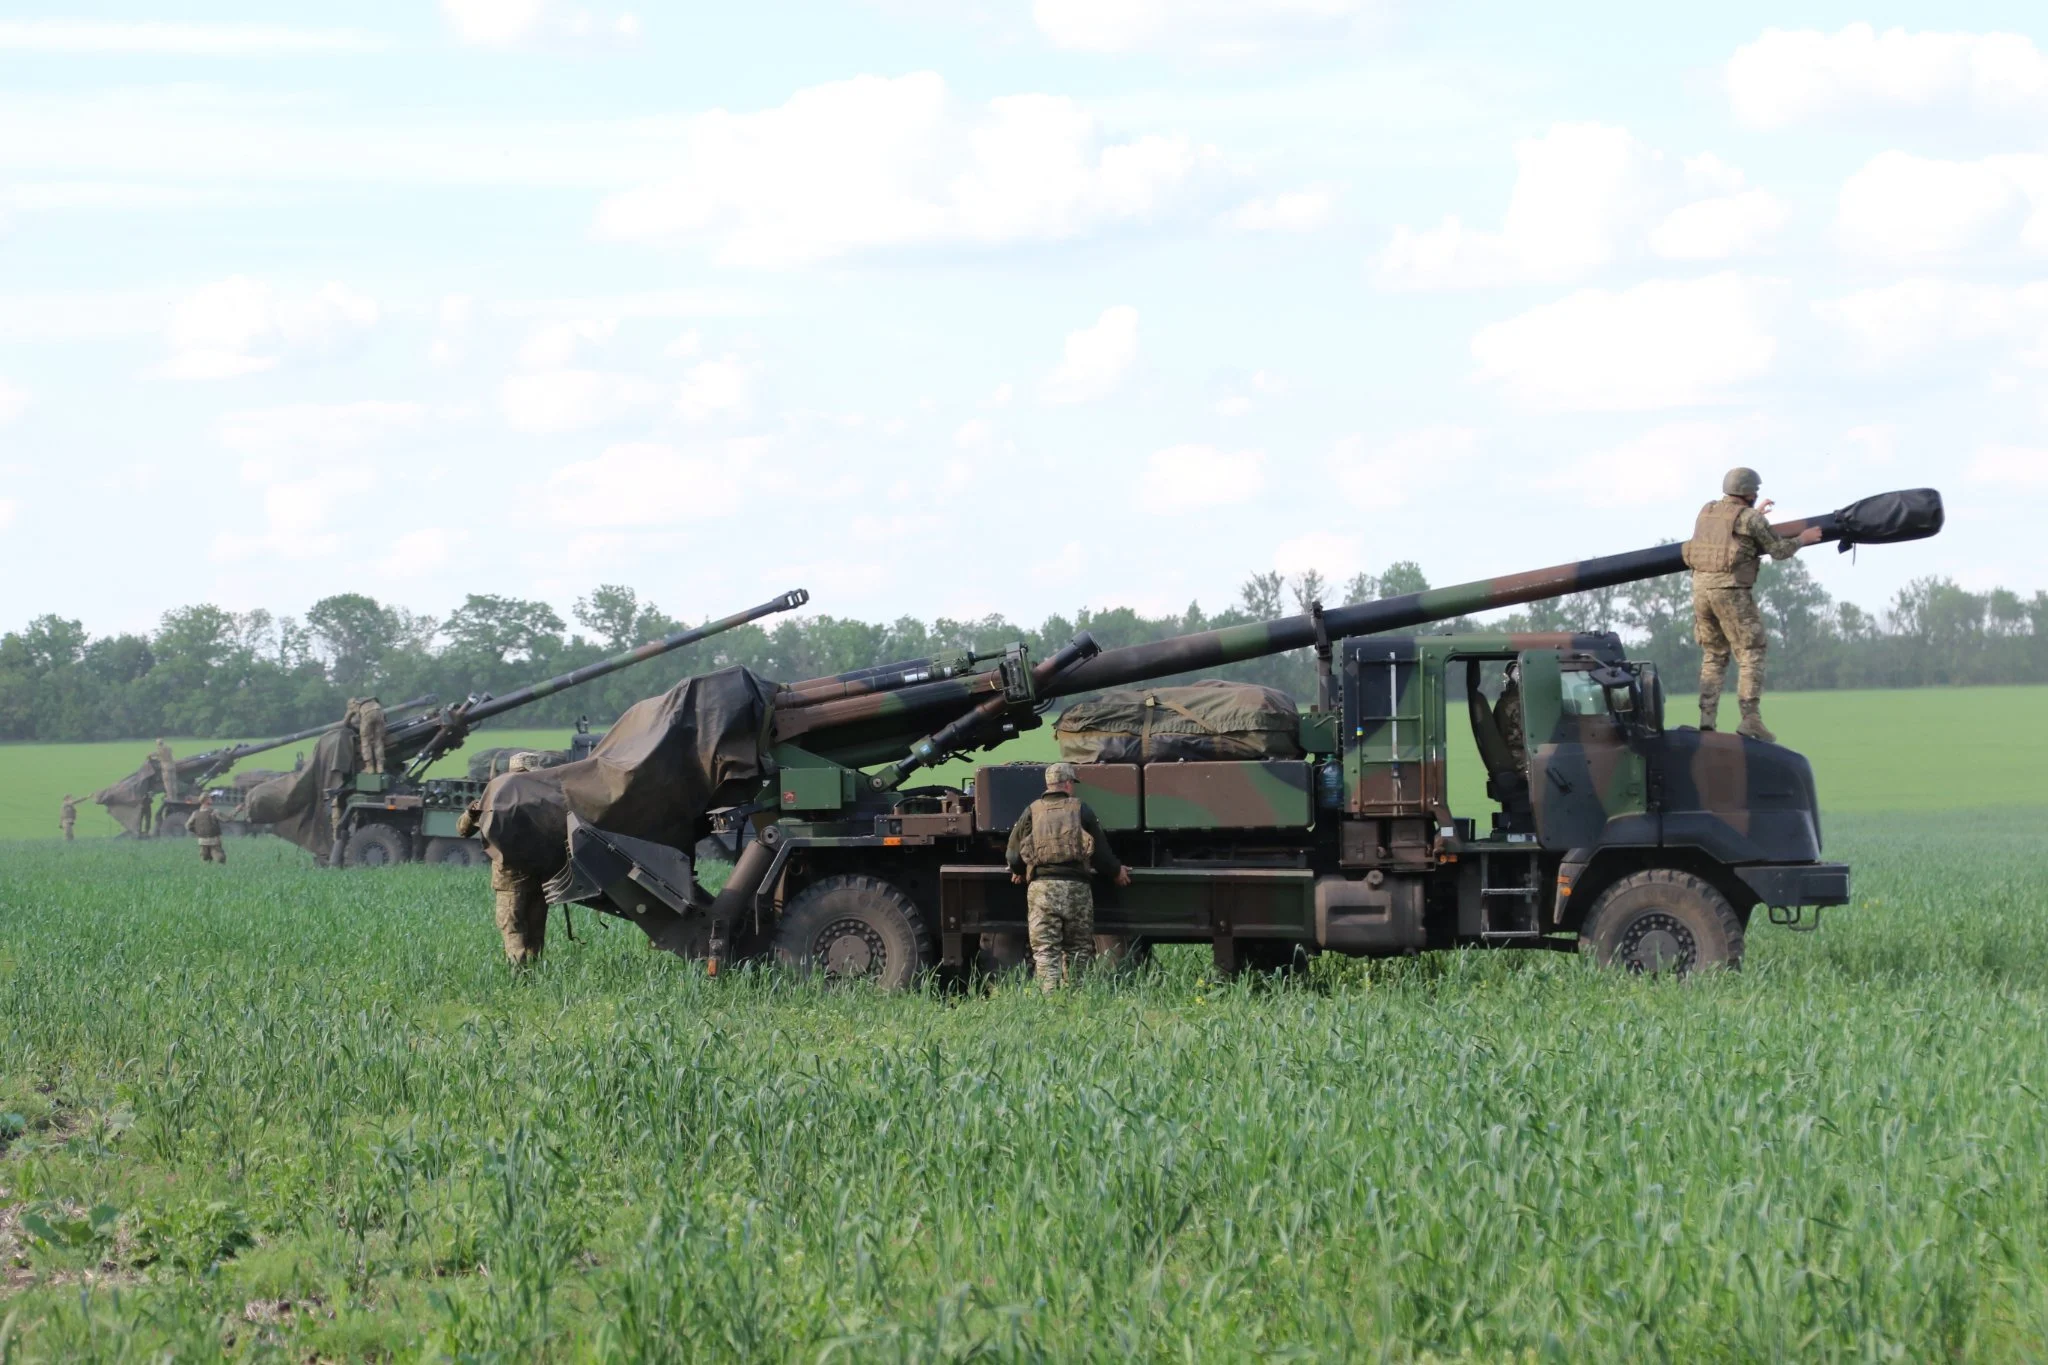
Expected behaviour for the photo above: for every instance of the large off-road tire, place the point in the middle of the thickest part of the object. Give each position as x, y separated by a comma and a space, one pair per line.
456, 853
855, 928
376, 846
171, 824
1662, 920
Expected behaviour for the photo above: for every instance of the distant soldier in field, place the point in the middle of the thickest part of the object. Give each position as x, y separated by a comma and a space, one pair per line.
1728, 544
1055, 849
204, 826
166, 769
67, 818
370, 734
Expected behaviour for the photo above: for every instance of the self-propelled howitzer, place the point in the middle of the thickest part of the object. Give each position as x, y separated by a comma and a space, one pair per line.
128, 800
356, 818
1601, 826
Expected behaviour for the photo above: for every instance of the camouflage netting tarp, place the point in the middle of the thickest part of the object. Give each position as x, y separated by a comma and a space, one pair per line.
299, 805
670, 759
125, 800
1204, 720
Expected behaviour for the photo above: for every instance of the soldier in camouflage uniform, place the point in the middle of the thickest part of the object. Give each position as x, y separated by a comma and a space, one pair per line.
1055, 847
521, 900
166, 770
1728, 543
67, 818
205, 827
370, 733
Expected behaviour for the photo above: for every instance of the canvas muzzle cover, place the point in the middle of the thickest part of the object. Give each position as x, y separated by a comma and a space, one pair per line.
1891, 518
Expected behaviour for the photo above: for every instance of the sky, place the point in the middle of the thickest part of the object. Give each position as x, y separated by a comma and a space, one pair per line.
950, 307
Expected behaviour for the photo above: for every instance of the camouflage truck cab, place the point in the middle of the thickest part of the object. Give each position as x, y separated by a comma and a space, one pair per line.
1598, 827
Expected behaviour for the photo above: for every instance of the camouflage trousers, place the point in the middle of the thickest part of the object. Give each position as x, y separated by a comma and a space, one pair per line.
70, 828
370, 746
1062, 923
210, 851
168, 775
522, 912
1726, 623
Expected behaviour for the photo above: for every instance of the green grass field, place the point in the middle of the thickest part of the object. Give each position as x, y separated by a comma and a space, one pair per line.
1933, 749
273, 1113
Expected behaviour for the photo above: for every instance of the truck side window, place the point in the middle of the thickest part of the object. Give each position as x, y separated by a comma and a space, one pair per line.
1582, 696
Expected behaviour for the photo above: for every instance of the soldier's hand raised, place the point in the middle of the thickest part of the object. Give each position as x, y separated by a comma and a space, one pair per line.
1810, 536
1766, 505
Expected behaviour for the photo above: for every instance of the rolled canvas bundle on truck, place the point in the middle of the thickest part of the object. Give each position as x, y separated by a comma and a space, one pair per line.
1201, 721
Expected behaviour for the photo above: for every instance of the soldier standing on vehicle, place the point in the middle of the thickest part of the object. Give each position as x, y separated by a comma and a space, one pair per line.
167, 770
1056, 846
1728, 543
205, 827
67, 818
370, 733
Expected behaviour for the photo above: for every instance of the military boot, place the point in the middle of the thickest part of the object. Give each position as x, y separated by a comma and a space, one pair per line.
1710, 711
1753, 723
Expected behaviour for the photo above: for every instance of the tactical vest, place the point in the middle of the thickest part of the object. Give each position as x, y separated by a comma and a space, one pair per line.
1058, 836
1713, 547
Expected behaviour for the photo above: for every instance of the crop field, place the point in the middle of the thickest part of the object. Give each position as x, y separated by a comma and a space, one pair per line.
274, 1113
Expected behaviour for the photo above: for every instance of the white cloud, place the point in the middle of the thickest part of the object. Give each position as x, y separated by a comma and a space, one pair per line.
1233, 405
874, 164
2016, 466
1788, 77
570, 400
1209, 28
1902, 207
1661, 344
1718, 228
1922, 314
1096, 358
1671, 463
1202, 476
1326, 552
554, 346
1585, 195
493, 23
185, 40
974, 434
315, 429
13, 401
721, 387
240, 326
686, 346
1379, 476
295, 517
1296, 211
422, 551
646, 484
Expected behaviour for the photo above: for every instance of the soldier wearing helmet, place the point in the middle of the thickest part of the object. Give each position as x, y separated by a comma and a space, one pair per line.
1728, 544
1056, 846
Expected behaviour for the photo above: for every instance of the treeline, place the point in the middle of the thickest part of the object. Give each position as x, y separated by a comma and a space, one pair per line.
205, 671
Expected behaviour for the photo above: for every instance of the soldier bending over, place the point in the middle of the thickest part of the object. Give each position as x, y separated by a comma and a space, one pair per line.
1728, 543
370, 733
1057, 845
521, 901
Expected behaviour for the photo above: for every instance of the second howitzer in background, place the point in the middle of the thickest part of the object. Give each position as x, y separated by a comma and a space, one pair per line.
1728, 544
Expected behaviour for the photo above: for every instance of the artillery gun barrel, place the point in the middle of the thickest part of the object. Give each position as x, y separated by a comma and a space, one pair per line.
852, 727
431, 736
217, 760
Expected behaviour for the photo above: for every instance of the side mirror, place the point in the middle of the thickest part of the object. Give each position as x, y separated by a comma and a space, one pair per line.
1635, 698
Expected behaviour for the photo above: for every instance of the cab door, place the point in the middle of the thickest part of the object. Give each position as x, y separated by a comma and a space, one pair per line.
1587, 782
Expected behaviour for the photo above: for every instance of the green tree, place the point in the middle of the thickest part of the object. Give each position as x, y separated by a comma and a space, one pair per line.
355, 632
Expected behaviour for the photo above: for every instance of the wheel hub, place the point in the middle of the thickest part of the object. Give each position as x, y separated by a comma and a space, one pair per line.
1658, 942
850, 948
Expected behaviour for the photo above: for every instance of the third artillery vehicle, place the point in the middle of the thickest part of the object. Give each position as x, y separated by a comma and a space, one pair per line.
1647, 844
350, 817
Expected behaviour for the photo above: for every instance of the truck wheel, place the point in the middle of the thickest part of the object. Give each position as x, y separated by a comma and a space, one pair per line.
455, 852
1662, 920
376, 846
855, 928
1119, 952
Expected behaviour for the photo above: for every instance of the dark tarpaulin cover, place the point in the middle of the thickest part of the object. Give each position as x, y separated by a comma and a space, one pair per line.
1891, 518
124, 800
669, 759
1205, 720
297, 805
